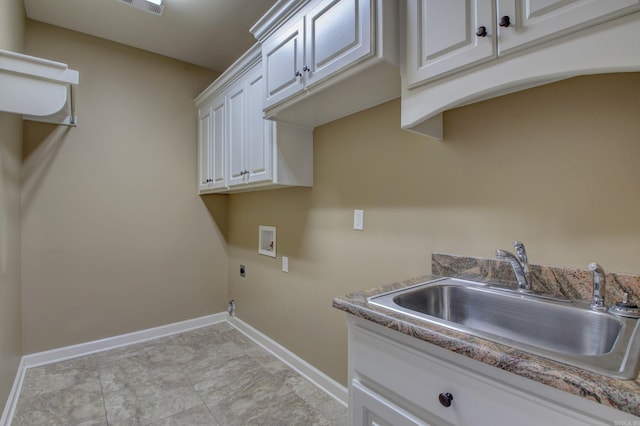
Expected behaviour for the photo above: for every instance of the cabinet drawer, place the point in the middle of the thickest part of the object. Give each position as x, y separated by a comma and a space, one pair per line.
419, 379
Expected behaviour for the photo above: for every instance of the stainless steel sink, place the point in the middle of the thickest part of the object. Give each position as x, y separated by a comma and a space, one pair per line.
567, 332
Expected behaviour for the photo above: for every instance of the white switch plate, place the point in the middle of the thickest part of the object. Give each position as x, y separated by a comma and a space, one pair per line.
358, 220
285, 264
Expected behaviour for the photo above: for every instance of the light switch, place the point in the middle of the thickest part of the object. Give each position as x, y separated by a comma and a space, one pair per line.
285, 264
358, 220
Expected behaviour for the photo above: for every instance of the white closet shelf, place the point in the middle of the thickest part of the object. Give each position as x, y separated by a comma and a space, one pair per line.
39, 89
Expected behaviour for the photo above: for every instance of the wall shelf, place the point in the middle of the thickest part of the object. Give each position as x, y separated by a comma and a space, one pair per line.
39, 89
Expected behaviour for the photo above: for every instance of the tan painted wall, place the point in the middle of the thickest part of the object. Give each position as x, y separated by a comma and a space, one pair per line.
11, 38
115, 237
555, 167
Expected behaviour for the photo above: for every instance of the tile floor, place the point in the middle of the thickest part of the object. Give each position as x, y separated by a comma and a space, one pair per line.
210, 376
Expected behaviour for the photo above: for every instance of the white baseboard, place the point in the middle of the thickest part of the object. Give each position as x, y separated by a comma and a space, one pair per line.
88, 348
82, 349
318, 378
12, 401
308, 371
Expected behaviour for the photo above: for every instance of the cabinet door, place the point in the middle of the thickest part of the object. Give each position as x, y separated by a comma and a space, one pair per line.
204, 148
236, 133
217, 144
539, 20
338, 34
441, 37
211, 136
259, 131
370, 409
282, 58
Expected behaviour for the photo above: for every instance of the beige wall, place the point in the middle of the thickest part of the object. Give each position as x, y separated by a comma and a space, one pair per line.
115, 237
11, 38
555, 167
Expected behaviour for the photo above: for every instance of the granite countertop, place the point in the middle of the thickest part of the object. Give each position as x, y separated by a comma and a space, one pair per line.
623, 395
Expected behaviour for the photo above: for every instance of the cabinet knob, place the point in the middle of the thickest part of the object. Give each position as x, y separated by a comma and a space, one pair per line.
481, 31
306, 69
298, 74
445, 399
505, 21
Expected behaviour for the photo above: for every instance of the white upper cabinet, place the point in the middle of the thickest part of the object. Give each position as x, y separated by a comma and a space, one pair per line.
283, 63
450, 35
236, 132
211, 149
260, 132
462, 51
314, 52
332, 36
204, 154
537, 20
249, 136
238, 149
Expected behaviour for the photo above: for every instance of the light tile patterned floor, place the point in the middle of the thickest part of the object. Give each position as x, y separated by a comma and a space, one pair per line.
210, 376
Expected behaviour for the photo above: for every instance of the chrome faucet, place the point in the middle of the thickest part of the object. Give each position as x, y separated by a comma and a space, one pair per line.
519, 263
599, 286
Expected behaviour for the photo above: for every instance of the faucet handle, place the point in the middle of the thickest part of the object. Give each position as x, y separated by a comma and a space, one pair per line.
599, 286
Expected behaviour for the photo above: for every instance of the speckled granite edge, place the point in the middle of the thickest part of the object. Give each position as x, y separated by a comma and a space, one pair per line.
623, 395
574, 283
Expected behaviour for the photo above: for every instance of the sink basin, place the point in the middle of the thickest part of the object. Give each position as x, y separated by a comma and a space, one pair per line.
564, 331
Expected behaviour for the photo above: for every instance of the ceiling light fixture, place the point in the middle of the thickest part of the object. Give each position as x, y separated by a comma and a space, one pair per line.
151, 6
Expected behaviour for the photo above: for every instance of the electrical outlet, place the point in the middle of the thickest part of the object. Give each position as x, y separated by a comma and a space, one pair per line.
358, 220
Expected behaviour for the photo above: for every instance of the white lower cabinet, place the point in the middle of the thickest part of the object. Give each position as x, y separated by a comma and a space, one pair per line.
392, 383
238, 149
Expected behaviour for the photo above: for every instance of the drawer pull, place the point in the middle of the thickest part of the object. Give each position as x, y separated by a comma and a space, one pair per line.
445, 399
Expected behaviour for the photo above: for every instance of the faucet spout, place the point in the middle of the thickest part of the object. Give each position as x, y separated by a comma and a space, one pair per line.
599, 286
519, 263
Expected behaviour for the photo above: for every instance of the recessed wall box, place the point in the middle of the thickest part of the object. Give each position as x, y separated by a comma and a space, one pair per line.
267, 240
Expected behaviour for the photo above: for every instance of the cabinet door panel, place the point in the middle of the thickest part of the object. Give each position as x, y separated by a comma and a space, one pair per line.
218, 136
258, 146
283, 56
338, 34
539, 20
371, 409
236, 110
441, 37
204, 148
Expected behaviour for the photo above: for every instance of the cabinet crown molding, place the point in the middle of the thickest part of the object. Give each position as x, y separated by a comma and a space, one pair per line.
279, 13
